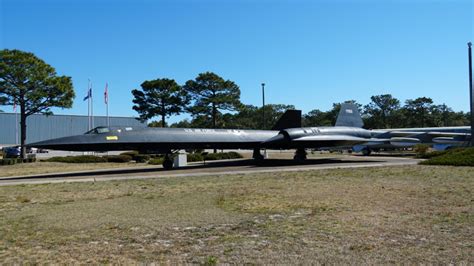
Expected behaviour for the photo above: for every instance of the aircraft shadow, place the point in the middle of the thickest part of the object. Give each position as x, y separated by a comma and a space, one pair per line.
204, 165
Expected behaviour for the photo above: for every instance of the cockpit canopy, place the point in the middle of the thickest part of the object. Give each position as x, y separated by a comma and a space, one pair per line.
104, 130
98, 130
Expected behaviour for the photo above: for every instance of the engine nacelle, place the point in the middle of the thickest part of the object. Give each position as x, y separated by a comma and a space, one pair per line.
404, 142
295, 133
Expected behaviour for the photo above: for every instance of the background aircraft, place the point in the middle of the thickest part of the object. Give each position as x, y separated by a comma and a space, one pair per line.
446, 137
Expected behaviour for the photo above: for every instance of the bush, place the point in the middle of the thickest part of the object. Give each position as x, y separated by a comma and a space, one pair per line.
8, 161
156, 161
130, 153
222, 156
78, 159
137, 157
30, 160
432, 154
421, 149
194, 157
455, 157
141, 158
234, 155
118, 158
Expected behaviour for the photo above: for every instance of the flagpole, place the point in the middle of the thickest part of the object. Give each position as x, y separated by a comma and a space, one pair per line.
107, 114
88, 106
106, 99
107, 111
16, 125
92, 108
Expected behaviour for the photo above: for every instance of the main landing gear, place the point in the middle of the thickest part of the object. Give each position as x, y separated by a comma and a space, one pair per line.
300, 155
168, 162
257, 156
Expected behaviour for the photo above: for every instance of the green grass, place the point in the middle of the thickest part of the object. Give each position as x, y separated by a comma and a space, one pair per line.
455, 157
55, 167
406, 215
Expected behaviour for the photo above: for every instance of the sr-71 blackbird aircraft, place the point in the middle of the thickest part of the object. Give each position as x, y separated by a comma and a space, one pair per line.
286, 134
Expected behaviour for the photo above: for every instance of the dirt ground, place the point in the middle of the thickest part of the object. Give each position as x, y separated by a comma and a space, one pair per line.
409, 214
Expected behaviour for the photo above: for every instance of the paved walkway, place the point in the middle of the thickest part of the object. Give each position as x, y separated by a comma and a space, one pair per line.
212, 168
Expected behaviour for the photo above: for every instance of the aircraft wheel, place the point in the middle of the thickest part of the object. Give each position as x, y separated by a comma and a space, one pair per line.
167, 164
300, 155
257, 156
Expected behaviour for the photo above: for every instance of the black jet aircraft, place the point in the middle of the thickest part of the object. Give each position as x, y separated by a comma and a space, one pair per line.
396, 138
286, 134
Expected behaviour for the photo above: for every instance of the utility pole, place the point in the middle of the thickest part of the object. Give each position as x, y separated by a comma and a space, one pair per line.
471, 93
263, 115
263, 105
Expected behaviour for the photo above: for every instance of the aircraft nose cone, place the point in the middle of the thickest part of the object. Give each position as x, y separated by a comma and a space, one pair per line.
45, 144
55, 144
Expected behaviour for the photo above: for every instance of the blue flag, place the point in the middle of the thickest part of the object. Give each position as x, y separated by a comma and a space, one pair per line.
89, 94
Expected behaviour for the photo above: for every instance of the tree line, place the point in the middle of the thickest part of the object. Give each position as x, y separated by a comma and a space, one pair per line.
214, 102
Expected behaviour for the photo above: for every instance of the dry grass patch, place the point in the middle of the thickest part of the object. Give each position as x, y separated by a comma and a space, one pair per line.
50, 167
412, 214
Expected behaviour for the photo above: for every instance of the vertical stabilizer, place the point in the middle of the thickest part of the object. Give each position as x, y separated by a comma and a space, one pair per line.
290, 119
349, 116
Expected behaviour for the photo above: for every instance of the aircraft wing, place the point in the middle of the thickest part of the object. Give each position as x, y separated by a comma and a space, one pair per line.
447, 134
316, 141
425, 133
336, 138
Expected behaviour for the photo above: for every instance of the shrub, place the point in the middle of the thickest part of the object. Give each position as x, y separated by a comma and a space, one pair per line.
156, 161
130, 153
432, 154
118, 158
78, 159
194, 157
456, 157
421, 149
141, 158
222, 156
30, 160
8, 161
234, 155
136, 156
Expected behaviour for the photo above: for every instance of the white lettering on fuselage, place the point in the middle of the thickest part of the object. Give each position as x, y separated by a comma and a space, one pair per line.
199, 130
236, 132
205, 131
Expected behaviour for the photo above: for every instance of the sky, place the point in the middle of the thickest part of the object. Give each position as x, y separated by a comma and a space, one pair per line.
310, 54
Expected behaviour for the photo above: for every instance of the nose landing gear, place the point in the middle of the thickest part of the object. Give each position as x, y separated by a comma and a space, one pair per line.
168, 161
300, 155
